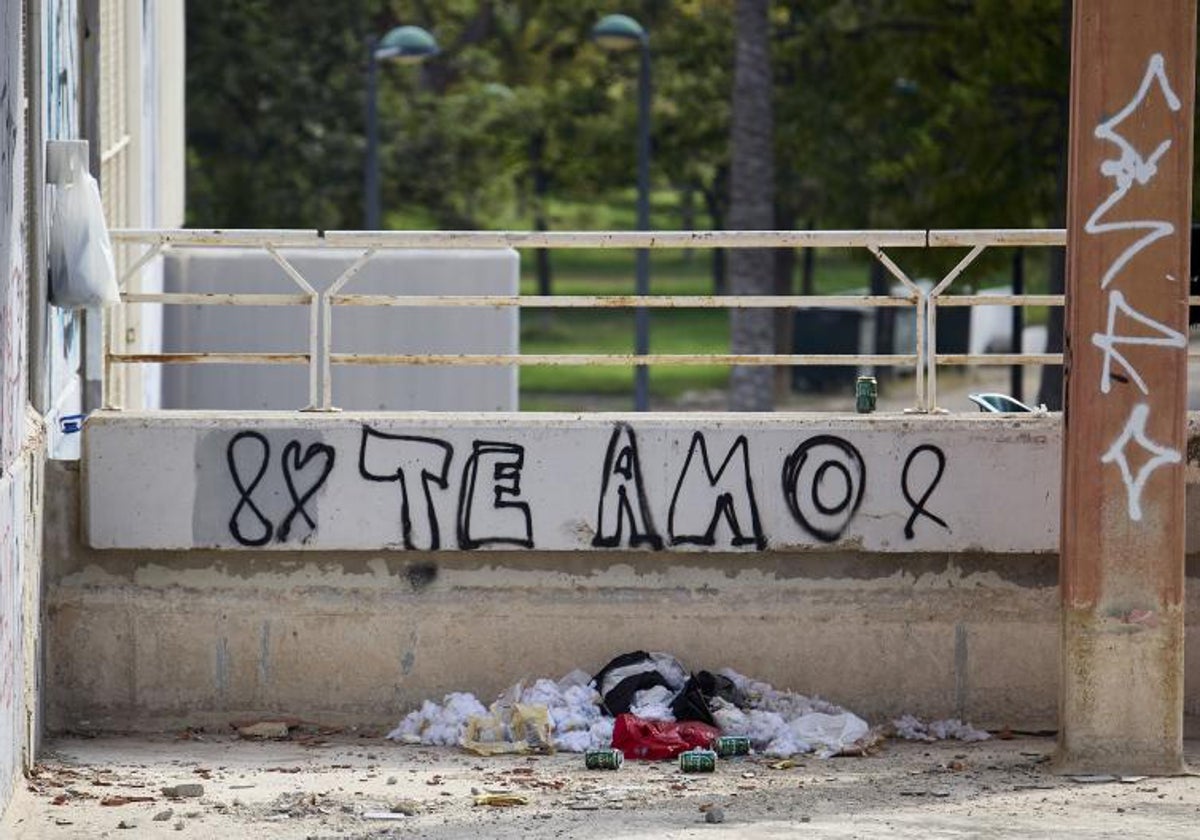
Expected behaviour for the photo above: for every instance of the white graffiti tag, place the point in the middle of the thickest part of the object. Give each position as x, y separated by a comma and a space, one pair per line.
1135, 430
1130, 168
1109, 340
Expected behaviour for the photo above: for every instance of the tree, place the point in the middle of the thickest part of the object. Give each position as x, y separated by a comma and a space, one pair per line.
693, 60
275, 113
752, 202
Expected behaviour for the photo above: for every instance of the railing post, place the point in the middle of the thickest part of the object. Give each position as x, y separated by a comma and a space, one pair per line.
315, 347
326, 343
931, 314
326, 362
108, 395
919, 315
930, 347
315, 354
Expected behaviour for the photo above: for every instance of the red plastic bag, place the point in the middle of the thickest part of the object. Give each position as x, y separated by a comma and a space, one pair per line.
657, 740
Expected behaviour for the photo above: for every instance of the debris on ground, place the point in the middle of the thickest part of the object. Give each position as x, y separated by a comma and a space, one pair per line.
509, 728
578, 713
439, 725
913, 790
658, 740
117, 801
301, 804
501, 800
912, 728
263, 729
188, 791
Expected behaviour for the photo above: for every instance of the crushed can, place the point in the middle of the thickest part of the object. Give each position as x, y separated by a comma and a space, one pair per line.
698, 761
866, 390
728, 746
603, 759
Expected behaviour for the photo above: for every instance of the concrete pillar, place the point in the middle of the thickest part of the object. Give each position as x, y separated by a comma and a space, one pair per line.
1128, 222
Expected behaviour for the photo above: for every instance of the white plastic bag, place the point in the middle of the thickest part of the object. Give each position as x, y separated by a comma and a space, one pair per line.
81, 260
833, 732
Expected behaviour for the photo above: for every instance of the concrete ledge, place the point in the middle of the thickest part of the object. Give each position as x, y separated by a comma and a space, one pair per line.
685, 482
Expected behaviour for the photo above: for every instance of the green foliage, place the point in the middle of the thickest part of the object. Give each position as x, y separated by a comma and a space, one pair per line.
275, 112
888, 112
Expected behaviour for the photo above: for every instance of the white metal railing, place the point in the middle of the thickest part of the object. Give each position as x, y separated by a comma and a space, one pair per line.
320, 357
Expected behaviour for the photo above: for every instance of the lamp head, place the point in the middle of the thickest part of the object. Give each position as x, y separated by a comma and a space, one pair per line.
406, 44
618, 32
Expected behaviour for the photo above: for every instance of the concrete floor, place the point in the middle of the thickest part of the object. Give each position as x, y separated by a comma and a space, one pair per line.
334, 787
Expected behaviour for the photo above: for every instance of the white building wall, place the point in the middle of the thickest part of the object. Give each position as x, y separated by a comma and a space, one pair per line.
20, 439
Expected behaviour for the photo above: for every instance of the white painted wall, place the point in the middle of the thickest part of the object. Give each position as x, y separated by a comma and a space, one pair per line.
13, 395
556, 482
22, 443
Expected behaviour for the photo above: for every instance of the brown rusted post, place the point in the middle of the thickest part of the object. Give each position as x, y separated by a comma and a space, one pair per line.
1128, 221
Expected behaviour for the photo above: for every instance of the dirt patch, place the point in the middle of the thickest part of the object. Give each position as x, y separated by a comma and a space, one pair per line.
359, 788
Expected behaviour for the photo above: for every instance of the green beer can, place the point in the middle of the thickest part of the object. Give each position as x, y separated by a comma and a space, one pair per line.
603, 759
866, 389
698, 761
728, 746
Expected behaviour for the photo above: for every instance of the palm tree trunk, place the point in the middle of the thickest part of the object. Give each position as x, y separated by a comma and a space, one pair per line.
752, 203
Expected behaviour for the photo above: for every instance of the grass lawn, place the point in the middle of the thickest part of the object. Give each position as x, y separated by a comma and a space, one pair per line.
611, 331
611, 272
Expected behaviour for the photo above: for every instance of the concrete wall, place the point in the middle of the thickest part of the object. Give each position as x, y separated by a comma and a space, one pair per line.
163, 639
563, 482
151, 639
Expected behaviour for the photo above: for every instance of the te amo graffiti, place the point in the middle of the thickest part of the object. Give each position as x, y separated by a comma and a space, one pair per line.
822, 480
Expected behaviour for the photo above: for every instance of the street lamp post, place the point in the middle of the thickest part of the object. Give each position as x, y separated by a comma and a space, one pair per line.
408, 45
621, 32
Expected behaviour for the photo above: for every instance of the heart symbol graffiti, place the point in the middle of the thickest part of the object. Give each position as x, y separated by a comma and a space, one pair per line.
295, 462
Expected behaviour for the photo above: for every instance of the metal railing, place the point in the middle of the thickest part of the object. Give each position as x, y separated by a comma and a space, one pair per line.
321, 358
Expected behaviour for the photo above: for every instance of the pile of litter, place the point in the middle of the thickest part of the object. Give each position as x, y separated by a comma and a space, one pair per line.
578, 712
576, 721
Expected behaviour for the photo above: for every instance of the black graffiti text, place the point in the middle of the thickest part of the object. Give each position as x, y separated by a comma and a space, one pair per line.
823, 483
704, 498
918, 505
623, 501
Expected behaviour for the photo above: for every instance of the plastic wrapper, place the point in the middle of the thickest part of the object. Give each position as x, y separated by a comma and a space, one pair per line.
82, 273
519, 728
658, 740
653, 704
831, 733
439, 724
